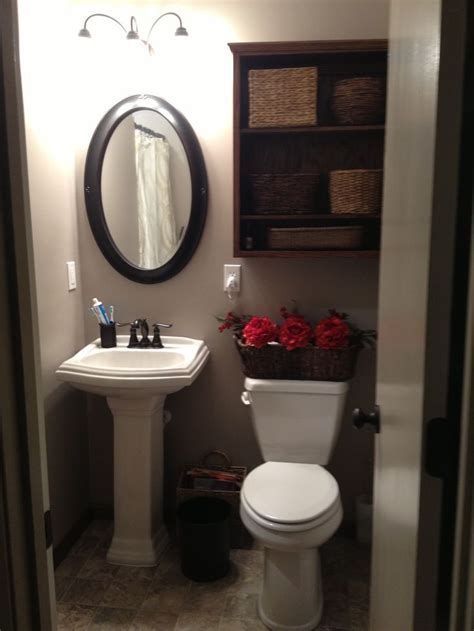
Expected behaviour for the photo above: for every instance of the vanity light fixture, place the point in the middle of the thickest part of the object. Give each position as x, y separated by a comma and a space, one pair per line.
133, 34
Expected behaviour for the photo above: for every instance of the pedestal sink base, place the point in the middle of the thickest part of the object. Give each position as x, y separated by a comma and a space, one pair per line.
138, 552
139, 533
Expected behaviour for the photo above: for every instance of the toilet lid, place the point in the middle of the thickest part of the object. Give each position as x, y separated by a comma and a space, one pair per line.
290, 493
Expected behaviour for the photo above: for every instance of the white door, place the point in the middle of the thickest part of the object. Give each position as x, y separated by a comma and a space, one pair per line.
422, 313
26, 564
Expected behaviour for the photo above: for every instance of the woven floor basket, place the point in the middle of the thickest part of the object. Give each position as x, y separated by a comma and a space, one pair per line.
306, 364
283, 192
358, 191
359, 101
282, 97
322, 238
239, 537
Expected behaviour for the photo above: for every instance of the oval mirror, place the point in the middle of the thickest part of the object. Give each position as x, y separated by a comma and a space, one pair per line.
145, 189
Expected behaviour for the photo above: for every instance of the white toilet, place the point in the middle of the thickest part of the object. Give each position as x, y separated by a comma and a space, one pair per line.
291, 504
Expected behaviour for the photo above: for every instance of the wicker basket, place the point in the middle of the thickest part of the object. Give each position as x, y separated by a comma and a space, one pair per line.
358, 191
306, 364
230, 493
321, 238
282, 97
283, 192
359, 101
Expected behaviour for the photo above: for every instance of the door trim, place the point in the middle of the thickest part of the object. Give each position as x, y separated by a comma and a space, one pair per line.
22, 455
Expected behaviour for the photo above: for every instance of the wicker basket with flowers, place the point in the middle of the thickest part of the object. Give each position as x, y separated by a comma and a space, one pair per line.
296, 349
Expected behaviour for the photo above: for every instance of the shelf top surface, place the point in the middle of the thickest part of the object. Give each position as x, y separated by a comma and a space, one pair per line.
308, 216
322, 46
312, 129
308, 253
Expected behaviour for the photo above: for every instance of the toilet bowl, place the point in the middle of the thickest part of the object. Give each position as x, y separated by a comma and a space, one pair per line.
291, 504
291, 509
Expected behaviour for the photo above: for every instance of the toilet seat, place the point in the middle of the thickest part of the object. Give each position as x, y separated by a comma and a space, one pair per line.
290, 496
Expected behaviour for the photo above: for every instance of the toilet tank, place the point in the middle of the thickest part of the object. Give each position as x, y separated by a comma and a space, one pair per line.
296, 421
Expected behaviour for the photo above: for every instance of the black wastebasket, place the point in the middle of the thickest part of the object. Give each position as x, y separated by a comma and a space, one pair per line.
204, 538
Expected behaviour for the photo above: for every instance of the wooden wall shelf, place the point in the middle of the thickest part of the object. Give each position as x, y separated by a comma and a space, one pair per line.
332, 129
309, 254
312, 217
317, 148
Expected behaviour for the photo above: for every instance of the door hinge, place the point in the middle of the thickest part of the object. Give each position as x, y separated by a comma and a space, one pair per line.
439, 448
48, 529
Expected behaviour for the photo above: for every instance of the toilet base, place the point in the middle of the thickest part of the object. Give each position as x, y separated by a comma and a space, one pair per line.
292, 598
278, 627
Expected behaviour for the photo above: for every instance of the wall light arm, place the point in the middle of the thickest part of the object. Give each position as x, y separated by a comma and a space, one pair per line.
180, 31
84, 32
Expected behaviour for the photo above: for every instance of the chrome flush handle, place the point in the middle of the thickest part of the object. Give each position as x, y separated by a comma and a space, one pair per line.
246, 398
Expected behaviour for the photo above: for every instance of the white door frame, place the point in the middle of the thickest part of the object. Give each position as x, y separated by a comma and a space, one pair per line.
461, 618
24, 494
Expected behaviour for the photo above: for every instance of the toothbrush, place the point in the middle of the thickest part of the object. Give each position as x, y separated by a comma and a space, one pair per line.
103, 313
111, 312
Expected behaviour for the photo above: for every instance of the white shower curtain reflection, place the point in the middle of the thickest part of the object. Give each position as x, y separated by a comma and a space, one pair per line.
157, 239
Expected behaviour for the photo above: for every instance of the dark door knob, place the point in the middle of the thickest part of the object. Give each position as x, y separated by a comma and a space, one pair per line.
360, 418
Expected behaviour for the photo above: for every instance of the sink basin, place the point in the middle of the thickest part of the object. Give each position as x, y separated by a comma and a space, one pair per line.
136, 382
134, 372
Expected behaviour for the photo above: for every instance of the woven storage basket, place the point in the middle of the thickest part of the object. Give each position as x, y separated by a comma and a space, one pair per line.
358, 191
359, 101
239, 537
307, 364
321, 238
282, 97
283, 192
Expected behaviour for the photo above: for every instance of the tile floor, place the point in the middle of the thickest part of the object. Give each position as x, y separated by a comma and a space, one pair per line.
93, 594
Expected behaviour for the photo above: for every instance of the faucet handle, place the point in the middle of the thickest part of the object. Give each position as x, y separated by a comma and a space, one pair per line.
133, 342
157, 343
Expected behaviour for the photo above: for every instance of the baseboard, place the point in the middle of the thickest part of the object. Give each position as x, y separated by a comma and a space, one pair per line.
62, 549
102, 511
347, 529
94, 511
105, 511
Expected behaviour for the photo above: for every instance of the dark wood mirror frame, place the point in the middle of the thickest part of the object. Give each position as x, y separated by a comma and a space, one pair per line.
93, 193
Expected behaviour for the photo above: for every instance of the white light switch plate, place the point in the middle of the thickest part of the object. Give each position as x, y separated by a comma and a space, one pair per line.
71, 275
228, 271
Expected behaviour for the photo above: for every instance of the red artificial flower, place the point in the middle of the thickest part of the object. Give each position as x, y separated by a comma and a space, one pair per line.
295, 332
285, 314
231, 321
260, 331
332, 332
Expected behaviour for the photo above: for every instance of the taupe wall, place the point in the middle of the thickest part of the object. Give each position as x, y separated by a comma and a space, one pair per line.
49, 114
209, 414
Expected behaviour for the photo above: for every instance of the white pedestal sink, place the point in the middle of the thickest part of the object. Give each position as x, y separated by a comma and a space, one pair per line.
136, 382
